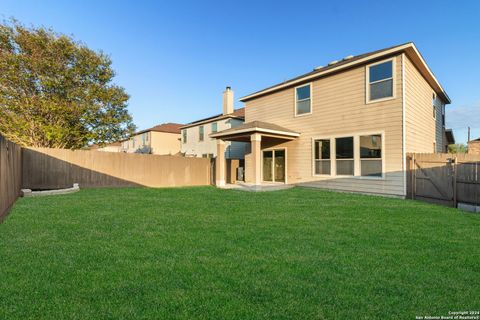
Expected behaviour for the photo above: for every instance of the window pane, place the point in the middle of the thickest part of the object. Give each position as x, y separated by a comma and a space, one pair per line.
344, 148
322, 149
345, 167
214, 127
381, 71
267, 165
371, 146
371, 168
303, 92
322, 166
279, 166
382, 89
303, 107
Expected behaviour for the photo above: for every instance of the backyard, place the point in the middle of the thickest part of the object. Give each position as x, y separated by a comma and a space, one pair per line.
207, 253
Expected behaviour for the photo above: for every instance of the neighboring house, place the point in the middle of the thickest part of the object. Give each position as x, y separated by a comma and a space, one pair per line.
111, 147
163, 139
196, 141
474, 146
345, 126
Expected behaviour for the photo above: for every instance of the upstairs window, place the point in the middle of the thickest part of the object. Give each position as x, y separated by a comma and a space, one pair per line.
201, 133
322, 157
303, 100
214, 127
434, 112
344, 155
443, 115
184, 133
380, 81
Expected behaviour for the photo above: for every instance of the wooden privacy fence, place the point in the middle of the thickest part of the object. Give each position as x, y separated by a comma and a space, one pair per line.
446, 179
45, 168
10, 174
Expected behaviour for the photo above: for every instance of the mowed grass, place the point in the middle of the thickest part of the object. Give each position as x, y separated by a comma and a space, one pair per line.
204, 253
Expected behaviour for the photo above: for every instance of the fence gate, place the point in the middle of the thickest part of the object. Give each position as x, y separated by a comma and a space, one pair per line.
444, 178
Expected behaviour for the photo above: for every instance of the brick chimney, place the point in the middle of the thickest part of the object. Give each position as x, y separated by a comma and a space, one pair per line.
227, 101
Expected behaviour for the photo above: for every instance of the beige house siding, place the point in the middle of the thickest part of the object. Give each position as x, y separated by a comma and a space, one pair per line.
165, 143
339, 108
422, 129
161, 143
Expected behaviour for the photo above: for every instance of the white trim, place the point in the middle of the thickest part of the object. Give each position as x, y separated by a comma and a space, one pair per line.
367, 81
348, 65
356, 154
314, 174
404, 128
296, 101
256, 129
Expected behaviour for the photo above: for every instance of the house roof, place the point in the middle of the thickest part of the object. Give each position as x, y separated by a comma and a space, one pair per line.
476, 140
236, 114
256, 127
169, 127
354, 61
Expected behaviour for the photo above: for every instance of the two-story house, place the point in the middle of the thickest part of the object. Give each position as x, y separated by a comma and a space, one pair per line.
196, 140
344, 126
163, 139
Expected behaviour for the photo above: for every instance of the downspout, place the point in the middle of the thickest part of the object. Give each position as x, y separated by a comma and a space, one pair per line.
404, 129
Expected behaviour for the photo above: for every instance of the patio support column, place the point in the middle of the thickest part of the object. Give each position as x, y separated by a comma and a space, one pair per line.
220, 164
256, 141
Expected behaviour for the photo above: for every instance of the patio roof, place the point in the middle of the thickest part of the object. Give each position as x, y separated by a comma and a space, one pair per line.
244, 131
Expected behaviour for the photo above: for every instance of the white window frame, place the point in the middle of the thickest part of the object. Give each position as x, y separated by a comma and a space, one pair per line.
295, 97
367, 81
286, 163
315, 174
382, 158
354, 160
356, 155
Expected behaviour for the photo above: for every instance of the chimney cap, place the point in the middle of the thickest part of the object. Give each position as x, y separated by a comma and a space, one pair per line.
228, 88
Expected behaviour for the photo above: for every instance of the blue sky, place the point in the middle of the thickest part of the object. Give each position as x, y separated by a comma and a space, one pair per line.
175, 58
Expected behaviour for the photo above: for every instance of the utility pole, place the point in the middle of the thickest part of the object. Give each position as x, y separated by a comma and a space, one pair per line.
468, 134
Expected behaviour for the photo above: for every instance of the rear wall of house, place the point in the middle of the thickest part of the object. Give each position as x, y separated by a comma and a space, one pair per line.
425, 132
339, 109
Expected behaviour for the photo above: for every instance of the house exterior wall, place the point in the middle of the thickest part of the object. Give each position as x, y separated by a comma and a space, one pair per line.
193, 147
474, 147
424, 132
161, 143
339, 109
165, 143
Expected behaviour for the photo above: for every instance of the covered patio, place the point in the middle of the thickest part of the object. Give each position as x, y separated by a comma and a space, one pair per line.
263, 166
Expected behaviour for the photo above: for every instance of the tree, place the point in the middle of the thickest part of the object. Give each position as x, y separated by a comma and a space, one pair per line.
56, 92
457, 148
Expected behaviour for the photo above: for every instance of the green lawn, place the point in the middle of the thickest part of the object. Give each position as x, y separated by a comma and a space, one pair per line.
221, 254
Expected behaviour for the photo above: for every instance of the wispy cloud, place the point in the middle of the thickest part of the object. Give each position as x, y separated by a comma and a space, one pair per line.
460, 117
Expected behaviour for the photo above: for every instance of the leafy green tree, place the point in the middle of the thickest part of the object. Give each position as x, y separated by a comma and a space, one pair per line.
457, 148
56, 92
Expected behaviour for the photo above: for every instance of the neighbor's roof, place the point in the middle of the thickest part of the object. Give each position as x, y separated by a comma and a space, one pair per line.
476, 140
164, 127
237, 114
256, 126
449, 135
353, 61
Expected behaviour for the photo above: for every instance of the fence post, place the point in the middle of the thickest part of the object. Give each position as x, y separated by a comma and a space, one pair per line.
414, 177
455, 182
